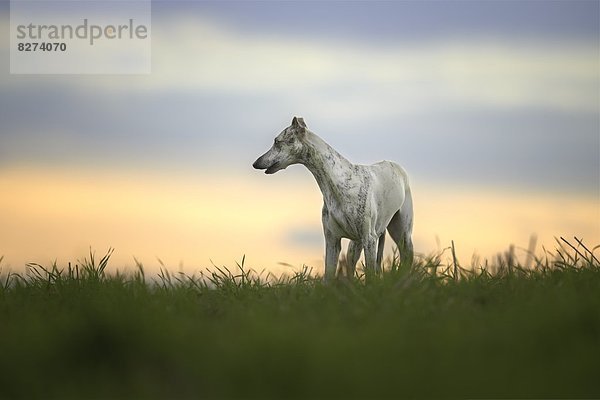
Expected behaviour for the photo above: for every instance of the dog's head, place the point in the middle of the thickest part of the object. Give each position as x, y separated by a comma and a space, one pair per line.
286, 150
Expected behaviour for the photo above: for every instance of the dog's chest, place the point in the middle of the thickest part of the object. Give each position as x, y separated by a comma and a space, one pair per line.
345, 211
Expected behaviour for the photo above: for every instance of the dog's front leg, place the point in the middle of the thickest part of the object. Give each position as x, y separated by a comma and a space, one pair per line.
354, 250
333, 245
370, 245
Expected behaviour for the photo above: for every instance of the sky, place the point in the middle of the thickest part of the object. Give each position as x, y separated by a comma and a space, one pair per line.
492, 107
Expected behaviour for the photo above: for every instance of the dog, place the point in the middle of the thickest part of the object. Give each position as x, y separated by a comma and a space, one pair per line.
359, 201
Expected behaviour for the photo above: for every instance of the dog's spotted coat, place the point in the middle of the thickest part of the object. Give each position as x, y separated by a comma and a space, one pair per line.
359, 201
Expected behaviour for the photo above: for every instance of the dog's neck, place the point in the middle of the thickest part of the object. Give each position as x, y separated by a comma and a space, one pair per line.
329, 167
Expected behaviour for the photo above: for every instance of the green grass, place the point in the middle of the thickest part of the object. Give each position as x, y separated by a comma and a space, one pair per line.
79, 332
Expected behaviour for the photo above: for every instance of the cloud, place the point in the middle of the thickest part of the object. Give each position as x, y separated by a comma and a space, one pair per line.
193, 53
391, 21
474, 110
356, 79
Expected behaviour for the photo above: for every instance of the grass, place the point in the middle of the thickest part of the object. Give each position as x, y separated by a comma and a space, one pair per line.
430, 330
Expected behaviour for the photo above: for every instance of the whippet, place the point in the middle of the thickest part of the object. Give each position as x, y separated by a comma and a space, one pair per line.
359, 201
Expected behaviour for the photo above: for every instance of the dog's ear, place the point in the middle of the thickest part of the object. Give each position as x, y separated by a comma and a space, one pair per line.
298, 122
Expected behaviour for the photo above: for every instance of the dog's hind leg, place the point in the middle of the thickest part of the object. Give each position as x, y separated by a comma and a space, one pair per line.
352, 256
400, 229
380, 245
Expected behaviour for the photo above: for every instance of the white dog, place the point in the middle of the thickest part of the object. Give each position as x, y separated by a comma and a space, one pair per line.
359, 201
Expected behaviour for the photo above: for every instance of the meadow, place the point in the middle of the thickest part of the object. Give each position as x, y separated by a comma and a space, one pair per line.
433, 329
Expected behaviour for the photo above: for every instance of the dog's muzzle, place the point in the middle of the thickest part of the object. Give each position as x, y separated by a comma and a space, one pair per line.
269, 169
273, 168
257, 165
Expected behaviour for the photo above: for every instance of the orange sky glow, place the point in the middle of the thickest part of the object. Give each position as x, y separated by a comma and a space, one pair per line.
190, 222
